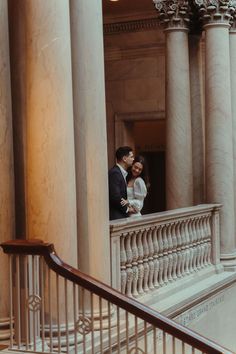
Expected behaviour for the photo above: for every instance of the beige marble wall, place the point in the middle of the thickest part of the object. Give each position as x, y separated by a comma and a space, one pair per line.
135, 69
7, 230
50, 164
90, 138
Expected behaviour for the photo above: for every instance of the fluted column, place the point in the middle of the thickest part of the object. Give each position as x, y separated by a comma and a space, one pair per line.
197, 115
50, 177
6, 169
232, 46
90, 138
179, 177
219, 147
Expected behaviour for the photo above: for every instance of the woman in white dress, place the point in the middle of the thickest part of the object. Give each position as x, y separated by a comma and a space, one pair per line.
136, 186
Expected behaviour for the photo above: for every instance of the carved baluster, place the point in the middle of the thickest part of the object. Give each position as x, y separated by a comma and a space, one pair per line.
194, 225
140, 264
183, 248
161, 265
205, 243
129, 260
191, 250
202, 244
155, 258
170, 256
208, 240
145, 261
135, 264
123, 264
198, 243
150, 260
209, 233
165, 254
187, 242
179, 253
174, 250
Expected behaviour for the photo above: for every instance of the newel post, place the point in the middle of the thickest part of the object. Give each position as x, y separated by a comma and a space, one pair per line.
215, 238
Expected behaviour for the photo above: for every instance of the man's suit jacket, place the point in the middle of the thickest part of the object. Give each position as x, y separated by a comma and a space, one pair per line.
117, 190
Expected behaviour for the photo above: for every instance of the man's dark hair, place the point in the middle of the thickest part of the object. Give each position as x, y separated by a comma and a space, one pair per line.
122, 151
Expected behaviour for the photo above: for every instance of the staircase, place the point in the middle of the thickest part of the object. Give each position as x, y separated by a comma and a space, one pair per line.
55, 308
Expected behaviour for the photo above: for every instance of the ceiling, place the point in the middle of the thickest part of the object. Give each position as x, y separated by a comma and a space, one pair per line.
126, 7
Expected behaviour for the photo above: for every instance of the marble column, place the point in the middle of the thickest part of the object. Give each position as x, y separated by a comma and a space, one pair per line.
179, 175
219, 140
50, 164
232, 46
90, 138
6, 169
197, 115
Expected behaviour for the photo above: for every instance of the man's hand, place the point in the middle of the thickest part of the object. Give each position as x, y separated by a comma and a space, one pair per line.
131, 210
124, 202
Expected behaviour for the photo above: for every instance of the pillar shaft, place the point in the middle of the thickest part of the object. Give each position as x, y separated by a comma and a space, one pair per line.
232, 43
50, 178
178, 115
6, 169
179, 175
197, 117
90, 138
219, 149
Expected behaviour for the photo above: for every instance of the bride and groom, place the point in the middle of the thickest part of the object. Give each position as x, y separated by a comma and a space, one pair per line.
127, 187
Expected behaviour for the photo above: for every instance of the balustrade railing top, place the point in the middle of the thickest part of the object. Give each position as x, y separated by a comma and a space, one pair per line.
160, 217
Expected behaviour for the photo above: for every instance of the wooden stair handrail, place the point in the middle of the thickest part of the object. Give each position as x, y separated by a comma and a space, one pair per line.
38, 247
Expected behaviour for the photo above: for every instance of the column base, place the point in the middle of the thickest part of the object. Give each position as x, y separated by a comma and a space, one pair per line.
4, 328
228, 260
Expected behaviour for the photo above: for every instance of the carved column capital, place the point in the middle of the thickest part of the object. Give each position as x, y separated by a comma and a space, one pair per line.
173, 13
216, 11
233, 14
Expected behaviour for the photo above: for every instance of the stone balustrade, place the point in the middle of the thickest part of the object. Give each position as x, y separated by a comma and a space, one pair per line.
155, 250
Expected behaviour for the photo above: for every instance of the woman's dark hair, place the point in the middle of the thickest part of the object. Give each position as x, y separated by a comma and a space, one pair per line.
144, 173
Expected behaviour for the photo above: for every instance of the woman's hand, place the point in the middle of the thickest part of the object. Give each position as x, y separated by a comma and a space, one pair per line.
124, 202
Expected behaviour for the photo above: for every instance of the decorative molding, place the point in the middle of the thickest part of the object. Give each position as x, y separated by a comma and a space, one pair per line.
233, 14
33, 303
129, 16
136, 52
140, 116
131, 26
216, 11
174, 13
84, 325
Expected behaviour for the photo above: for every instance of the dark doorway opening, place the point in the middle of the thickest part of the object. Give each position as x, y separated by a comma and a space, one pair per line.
156, 197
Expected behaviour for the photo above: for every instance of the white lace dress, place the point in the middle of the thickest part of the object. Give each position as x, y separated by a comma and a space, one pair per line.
136, 195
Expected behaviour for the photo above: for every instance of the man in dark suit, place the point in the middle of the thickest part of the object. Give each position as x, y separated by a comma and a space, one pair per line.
117, 183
